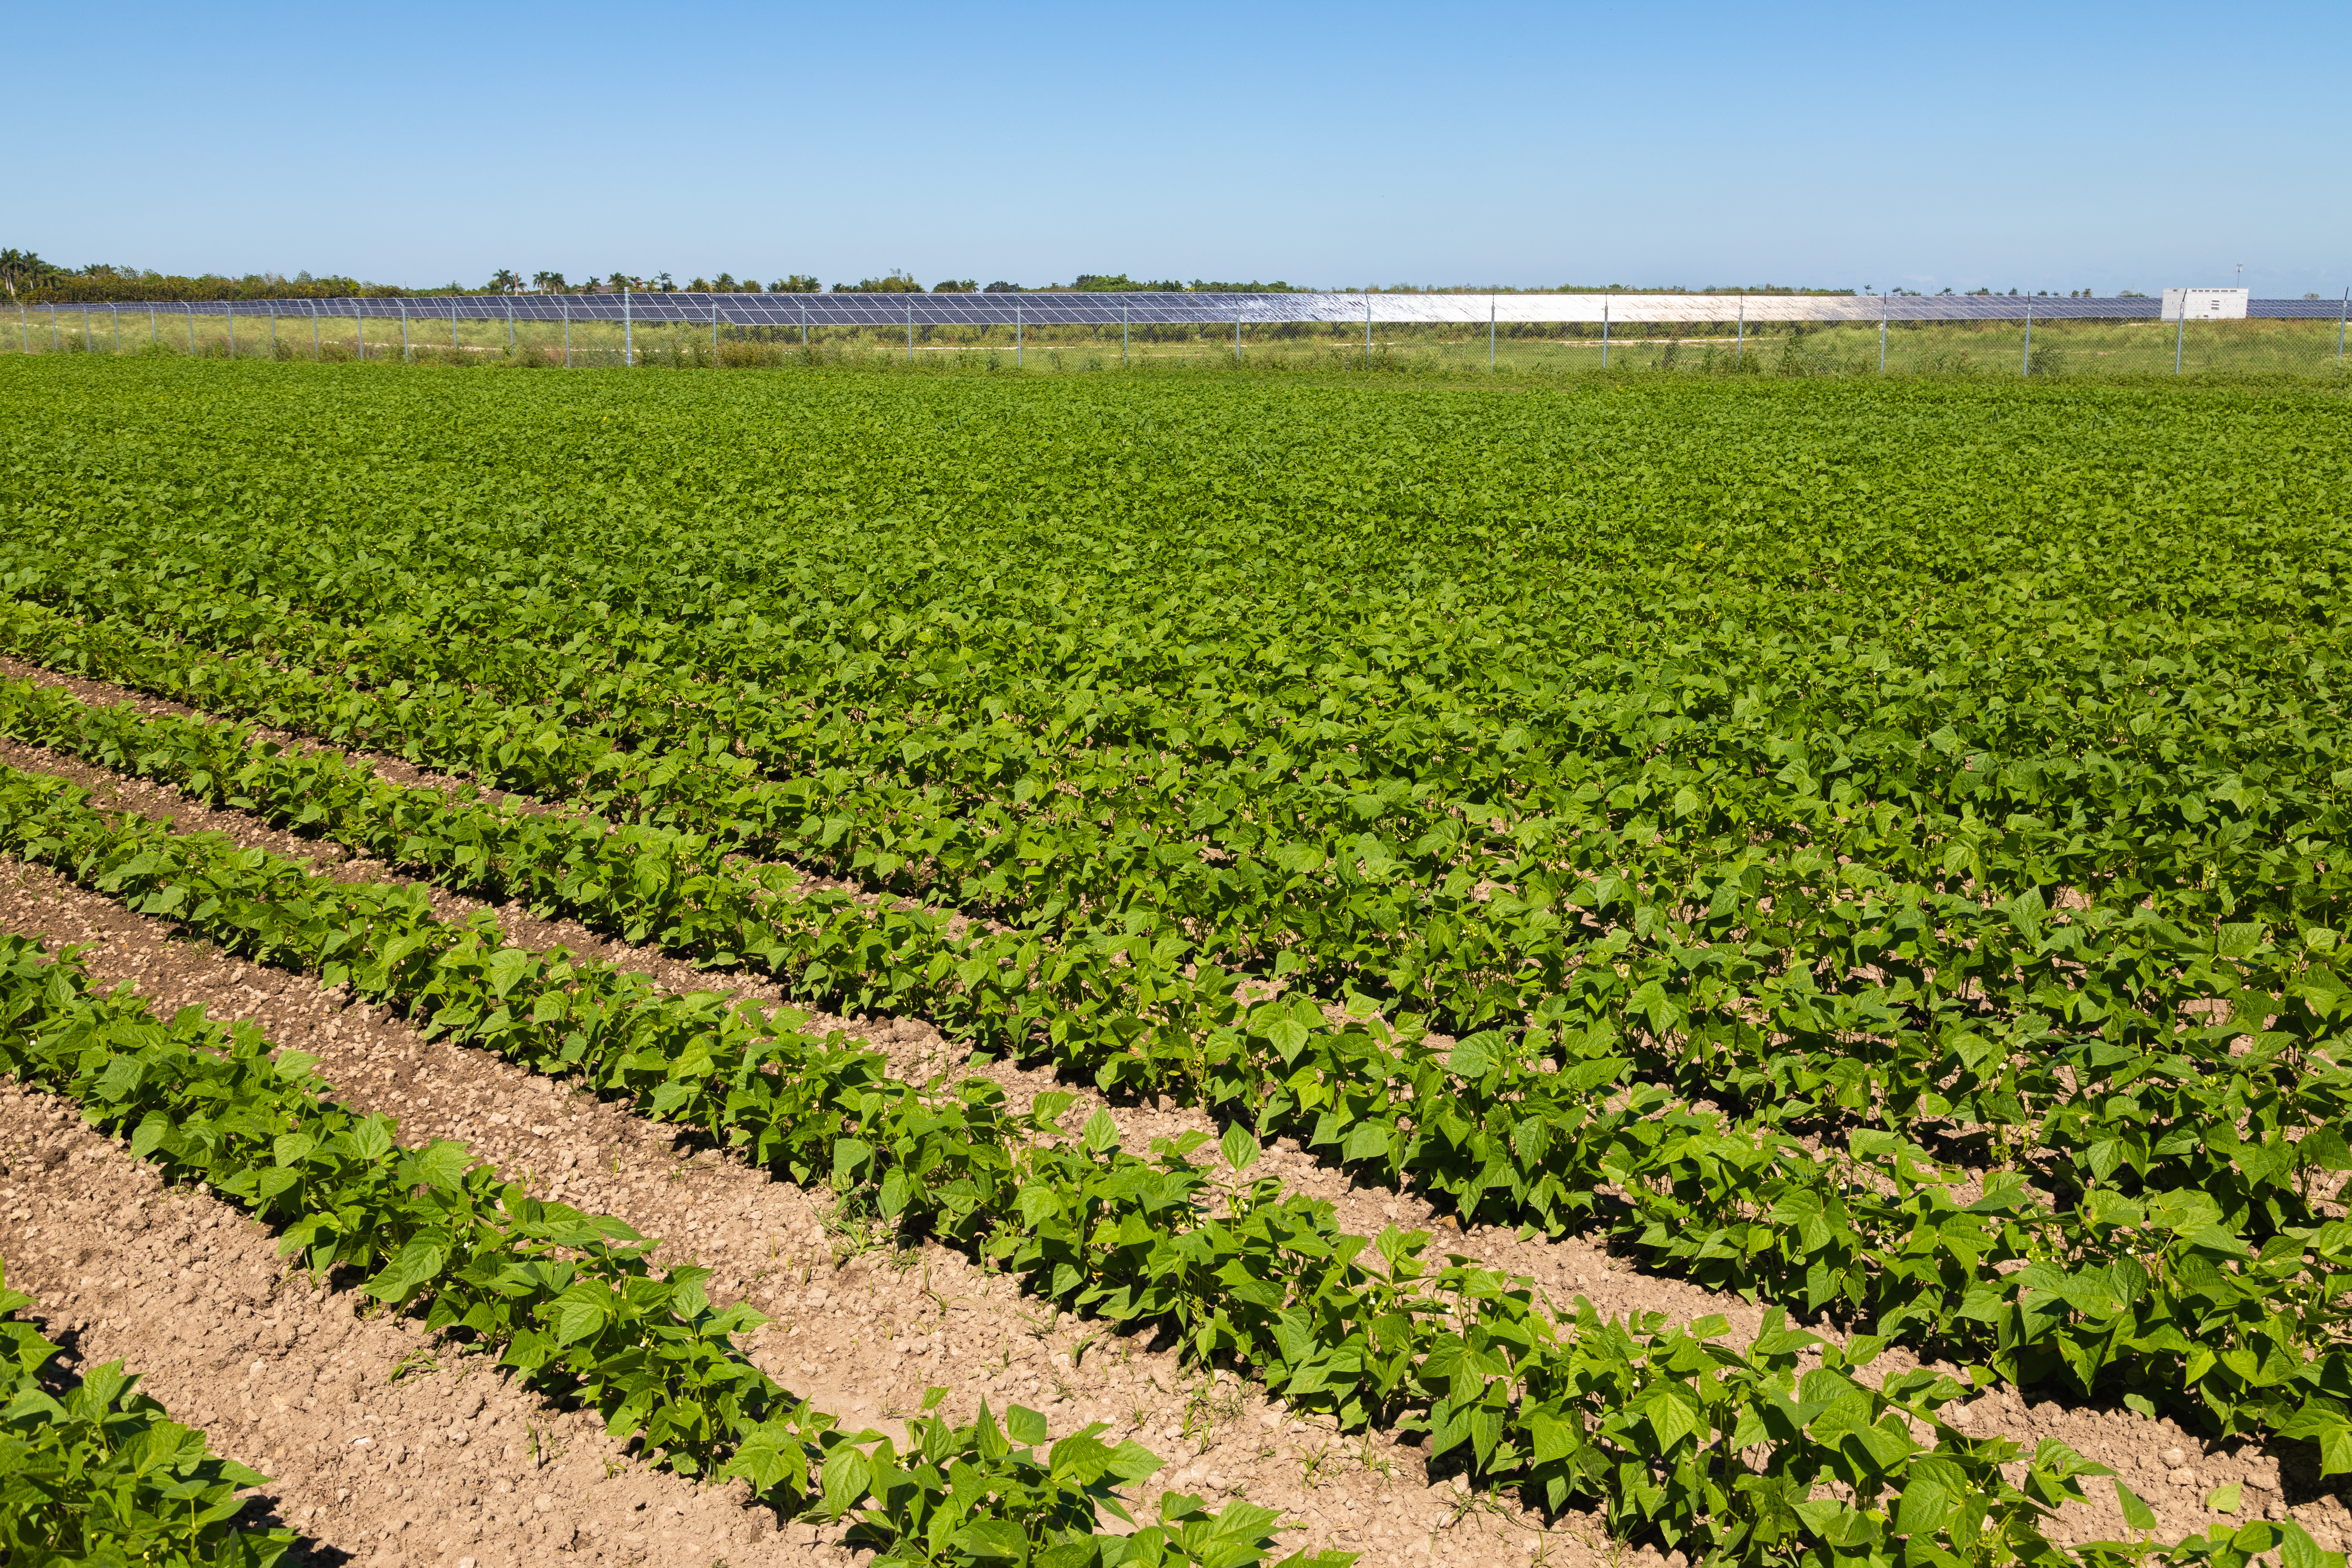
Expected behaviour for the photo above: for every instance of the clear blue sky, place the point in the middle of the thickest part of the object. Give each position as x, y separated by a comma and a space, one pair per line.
2039, 146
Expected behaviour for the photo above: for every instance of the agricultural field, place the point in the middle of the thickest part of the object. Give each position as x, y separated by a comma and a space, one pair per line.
631, 968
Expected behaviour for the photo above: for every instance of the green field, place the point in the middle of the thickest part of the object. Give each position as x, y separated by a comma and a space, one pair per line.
1877, 848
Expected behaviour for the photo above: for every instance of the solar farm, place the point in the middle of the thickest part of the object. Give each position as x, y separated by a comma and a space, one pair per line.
2202, 331
1610, 968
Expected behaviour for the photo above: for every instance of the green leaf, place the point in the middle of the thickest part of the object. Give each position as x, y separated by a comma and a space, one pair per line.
1670, 1419
768, 1455
1300, 860
581, 1312
993, 1539
843, 1480
1101, 1133
417, 1264
371, 1137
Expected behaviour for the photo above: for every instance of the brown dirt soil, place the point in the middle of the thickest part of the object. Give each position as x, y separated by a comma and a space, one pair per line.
861, 1327
2171, 1468
452, 1463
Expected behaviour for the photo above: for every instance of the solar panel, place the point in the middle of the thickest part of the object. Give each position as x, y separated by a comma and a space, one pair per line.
1147, 309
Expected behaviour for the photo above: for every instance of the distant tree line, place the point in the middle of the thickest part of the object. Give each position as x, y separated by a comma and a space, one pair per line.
29, 279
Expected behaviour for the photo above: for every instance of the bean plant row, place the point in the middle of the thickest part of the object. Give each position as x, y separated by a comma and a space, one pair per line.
571, 1302
94, 1471
1728, 1449
2172, 1171
1734, 823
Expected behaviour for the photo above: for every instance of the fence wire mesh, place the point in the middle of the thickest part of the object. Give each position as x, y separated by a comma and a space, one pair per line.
1705, 335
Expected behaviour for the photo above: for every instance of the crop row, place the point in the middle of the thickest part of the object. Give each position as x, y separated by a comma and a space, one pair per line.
2180, 1261
1430, 776
1385, 886
1794, 985
1020, 761
1663, 1426
570, 1300
1990, 1016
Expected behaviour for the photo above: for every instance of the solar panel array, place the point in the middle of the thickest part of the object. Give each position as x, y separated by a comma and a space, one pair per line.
1062, 310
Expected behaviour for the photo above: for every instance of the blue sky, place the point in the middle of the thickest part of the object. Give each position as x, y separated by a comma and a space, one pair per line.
2059, 147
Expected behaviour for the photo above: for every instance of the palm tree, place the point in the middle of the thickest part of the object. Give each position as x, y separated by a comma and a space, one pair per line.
21, 266
505, 281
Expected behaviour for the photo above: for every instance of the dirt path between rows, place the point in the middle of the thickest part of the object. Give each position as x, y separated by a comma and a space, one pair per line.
862, 1328
917, 1049
451, 1463
2164, 1464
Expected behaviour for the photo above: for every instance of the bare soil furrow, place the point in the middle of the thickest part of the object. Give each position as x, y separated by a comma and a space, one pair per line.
917, 1049
383, 1449
1561, 1269
862, 1327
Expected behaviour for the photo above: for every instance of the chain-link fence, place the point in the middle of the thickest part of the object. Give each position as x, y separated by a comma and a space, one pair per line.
1765, 335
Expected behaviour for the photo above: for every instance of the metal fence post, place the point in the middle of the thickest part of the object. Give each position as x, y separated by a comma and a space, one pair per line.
1740, 334
567, 332
628, 331
1237, 337
1604, 331
1017, 334
2179, 332
53, 330
117, 311
1881, 334
714, 332
358, 329
2341, 311
910, 330
1490, 337
191, 309
453, 323
273, 328
314, 328
24, 332
231, 313
2025, 361
154, 333
804, 322
407, 355
1368, 329
510, 325
1122, 336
